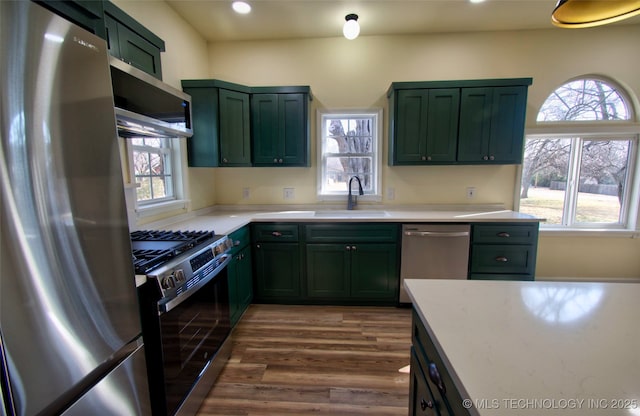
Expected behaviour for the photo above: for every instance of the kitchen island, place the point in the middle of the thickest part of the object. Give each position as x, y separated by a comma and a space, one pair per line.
529, 348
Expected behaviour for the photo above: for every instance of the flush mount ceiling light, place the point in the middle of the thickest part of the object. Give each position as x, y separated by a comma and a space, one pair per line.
589, 13
351, 28
241, 7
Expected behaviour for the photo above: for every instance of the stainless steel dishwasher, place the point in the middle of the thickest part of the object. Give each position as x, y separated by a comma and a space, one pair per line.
433, 251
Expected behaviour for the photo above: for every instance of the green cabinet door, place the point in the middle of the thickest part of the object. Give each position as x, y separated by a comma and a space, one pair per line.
131, 42
235, 138
279, 129
507, 129
203, 149
328, 268
411, 126
442, 124
492, 124
426, 126
277, 268
374, 271
475, 124
264, 122
240, 284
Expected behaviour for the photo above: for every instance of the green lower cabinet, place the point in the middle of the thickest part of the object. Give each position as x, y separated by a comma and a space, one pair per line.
240, 284
374, 271
328, 268
503, 251
354, 272
277, 272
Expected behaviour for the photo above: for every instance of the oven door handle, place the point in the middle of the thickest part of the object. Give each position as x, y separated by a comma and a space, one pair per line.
173, 303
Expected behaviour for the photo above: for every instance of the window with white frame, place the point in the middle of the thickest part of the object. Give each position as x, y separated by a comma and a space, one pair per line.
579, 166
349, 146
152, 169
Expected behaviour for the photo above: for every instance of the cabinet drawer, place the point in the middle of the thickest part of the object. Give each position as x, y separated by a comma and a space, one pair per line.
447, 398
505, 233
501, 258
275, 232
421, 400
240, 238
352, 233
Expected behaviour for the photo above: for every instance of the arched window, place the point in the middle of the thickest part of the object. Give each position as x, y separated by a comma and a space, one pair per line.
577, 173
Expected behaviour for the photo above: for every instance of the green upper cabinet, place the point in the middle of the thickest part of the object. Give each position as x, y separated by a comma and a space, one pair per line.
126, 38
131, 42
426, 125
235, 134
279, 123
492, 124
85, 13
220, 122
457, 122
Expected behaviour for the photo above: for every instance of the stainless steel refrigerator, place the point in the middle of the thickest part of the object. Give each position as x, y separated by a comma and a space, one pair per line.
69, 320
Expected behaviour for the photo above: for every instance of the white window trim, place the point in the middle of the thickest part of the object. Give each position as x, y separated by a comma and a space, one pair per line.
376, 113
585, 130
181, 202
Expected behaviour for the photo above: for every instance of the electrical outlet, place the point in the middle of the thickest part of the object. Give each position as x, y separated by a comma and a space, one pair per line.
391, 193
288, 193
471, 192
245, 193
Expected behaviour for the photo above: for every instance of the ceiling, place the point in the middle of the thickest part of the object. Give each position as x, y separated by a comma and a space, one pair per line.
291, 19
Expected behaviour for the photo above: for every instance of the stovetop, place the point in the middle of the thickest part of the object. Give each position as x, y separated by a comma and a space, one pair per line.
151, 249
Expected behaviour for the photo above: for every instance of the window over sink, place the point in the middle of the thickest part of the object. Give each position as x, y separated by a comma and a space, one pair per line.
349, 145
580, 167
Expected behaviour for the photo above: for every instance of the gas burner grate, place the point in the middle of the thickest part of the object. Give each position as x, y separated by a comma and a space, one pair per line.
152, 248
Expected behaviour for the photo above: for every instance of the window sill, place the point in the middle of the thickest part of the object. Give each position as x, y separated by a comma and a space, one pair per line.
162, 208
576, 232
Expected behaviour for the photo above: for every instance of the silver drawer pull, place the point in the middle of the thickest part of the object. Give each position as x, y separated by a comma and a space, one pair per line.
502, 259
503, 234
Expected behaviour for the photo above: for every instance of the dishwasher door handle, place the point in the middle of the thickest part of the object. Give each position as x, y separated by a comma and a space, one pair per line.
436, 234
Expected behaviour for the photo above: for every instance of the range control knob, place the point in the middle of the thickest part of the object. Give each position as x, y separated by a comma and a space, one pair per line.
179, 276
167, 282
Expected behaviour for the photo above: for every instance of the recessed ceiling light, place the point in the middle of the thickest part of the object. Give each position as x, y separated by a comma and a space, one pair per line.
241, 7
476, 1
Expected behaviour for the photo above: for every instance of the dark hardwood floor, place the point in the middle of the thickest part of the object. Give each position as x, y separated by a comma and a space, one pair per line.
324, 360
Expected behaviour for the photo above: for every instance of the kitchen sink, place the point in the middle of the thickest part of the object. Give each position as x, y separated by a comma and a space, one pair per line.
347, 213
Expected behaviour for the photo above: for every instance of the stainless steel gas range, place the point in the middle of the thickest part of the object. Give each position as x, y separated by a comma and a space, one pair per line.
184, 312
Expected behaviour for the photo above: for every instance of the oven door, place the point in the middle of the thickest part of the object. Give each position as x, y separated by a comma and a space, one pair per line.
192, 332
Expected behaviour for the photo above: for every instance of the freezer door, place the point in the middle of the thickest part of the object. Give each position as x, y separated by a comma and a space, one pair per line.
124, 391
67, 292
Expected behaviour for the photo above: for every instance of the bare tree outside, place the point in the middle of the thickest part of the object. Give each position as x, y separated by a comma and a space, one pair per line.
603, 161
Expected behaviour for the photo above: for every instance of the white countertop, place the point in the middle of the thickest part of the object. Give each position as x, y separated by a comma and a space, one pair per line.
537, 348
228, 220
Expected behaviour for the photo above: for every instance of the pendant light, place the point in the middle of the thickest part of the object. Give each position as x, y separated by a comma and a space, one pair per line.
351, 28
588, 13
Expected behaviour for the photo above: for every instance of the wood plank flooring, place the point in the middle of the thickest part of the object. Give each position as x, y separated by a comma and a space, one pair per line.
321, 360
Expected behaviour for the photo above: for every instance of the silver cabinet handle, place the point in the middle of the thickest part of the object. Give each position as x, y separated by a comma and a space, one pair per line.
502, 259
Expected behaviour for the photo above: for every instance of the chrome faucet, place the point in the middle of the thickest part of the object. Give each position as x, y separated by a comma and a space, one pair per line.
352, 201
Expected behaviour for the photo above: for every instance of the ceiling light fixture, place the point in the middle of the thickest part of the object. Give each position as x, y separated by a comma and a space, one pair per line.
351, 28
241, 7
589, 13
